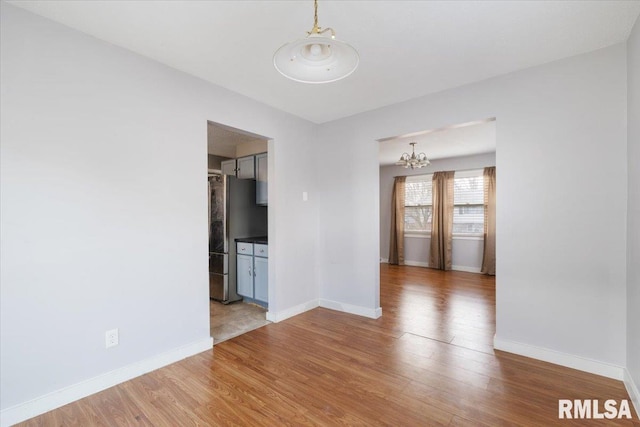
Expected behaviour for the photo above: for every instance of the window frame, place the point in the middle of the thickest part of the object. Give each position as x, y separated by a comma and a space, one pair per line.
471, 173
418, 233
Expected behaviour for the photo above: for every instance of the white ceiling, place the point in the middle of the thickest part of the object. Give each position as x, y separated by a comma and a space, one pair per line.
461, 140
224, 141
407, 48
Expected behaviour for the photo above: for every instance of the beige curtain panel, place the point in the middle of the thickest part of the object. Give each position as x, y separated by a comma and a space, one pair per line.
396, 240
489, 254
442, 221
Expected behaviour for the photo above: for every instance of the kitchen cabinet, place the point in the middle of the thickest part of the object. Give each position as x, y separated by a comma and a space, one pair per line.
228, 167
253, 272
244, 265
246, 168
261, 179
242, 168
261, 279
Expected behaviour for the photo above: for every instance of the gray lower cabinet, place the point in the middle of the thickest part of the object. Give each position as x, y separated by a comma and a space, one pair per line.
261, 279
252, 266
244, 276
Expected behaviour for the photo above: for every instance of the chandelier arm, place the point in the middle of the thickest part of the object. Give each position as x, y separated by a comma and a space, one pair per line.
413, 160
333, 33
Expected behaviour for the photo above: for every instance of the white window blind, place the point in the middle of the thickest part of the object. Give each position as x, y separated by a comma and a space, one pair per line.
468, 200
417, 202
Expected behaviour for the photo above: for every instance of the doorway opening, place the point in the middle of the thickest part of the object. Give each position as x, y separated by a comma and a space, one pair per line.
238, 212
455, 304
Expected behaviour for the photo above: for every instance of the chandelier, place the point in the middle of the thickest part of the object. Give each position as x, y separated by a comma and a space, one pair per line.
413, 161
317, 58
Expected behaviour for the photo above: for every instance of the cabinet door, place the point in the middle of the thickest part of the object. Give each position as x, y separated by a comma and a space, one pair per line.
246, 168
261, 280
261, 179
228, 167
244, 268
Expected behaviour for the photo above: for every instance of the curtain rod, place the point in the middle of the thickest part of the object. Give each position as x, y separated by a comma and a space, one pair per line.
457, 170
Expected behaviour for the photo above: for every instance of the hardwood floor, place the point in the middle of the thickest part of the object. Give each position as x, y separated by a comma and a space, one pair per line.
427, 361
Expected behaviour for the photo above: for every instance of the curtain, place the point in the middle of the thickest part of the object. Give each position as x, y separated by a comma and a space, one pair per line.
396, 240
442, 222
489, 254
209, 204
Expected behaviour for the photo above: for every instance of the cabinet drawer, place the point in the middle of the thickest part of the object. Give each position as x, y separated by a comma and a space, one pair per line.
244, 248
261, 250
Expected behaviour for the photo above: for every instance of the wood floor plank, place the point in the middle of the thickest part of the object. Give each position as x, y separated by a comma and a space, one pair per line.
428, 361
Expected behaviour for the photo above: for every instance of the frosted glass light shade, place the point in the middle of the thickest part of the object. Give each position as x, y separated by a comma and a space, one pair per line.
316, 59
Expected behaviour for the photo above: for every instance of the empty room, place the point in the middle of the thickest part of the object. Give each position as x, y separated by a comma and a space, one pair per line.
446, 200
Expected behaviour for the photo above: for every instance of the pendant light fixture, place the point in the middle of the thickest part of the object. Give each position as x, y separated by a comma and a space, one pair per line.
317, 58
412, 161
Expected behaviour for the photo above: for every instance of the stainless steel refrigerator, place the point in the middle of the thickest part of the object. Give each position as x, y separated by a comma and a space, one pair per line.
218, 238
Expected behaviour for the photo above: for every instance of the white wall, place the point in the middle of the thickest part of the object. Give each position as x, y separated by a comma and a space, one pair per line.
561, 149
103, 174
633, 211
103, 159
466, 253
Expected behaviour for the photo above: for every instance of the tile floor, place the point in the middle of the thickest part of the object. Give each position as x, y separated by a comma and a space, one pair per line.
230, 320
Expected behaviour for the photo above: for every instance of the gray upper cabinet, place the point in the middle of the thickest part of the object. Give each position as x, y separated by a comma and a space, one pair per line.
228, 167
246, 168
261, 179
242, 168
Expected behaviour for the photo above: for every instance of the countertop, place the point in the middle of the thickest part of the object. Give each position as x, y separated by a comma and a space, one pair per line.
261, 240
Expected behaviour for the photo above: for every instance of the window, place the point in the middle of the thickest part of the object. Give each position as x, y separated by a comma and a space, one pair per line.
417, 204
468, 204
468, 201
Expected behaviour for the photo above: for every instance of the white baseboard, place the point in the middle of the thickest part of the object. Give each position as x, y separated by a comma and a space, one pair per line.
416, 263
290, 312
372, 313
467, 269
558, 358
324, 303
632, 389
66, 395
384, 260
426, 264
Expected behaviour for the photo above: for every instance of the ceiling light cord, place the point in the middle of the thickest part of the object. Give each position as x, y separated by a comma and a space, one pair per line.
315, 17
316, 29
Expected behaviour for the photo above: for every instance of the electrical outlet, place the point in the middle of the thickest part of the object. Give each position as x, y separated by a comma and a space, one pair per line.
111, 338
